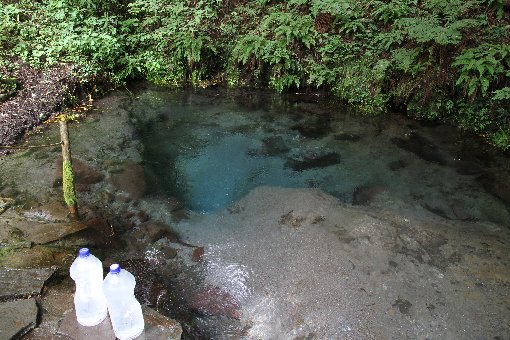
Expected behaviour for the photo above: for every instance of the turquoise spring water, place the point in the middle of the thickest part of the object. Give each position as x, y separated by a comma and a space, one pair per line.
209, 148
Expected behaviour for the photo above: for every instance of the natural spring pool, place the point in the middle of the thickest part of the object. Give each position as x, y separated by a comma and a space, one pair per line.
297, 218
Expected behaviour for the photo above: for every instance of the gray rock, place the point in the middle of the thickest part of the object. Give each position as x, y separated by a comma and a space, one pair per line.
157, 327
42, 233
22, 282
50, 212
70, 328
18, 318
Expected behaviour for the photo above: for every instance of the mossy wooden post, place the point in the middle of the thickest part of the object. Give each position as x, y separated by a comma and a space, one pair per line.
67, 171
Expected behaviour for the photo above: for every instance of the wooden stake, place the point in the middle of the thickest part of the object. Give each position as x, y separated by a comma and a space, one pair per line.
67, 171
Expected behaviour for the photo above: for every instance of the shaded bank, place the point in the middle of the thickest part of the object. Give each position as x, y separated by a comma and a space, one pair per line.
430, 59
38, 95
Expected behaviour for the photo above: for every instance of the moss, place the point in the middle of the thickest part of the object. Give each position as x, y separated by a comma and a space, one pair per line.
5, 250
68, 184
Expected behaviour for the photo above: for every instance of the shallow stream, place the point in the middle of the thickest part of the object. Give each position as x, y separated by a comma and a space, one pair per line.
315, 222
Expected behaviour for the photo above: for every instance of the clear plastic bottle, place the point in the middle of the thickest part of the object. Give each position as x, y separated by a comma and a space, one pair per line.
125, 311
89, 300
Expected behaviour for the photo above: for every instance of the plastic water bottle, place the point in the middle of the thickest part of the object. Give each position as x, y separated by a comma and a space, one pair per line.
89, 300
125, 310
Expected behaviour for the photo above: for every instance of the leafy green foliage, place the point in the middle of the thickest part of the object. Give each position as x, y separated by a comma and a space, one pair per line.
482, 66
436, 59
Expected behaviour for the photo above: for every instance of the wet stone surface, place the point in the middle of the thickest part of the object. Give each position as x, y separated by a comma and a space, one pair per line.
18, 318
157, 327
16, 283
42, 233
70, 328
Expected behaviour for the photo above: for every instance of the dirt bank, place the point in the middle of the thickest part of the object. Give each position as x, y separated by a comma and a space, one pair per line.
38, 95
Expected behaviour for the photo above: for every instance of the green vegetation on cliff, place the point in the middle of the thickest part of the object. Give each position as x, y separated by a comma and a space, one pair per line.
435, 59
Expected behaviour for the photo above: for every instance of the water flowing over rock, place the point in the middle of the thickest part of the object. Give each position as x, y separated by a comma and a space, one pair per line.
130, 179
213, 301
85, 175
155, 230
296, 254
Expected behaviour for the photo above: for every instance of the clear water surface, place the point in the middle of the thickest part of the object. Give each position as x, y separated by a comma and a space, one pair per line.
209, 148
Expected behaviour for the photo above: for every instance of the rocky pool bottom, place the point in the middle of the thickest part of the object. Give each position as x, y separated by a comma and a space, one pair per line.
277, 263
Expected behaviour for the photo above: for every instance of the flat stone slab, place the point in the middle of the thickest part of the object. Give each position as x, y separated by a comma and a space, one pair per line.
157, 327
70, 328
42, 233
17, 318
22, 282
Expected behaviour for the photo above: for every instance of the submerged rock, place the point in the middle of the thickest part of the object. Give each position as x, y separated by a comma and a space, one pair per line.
131, 179
363, 195
348, 137
313, 161
152, 278
18, 318
397, 165
467, 168
84, 174
213, 301
421, 147
313, 129
274, 146
496, 184
402, 305
198, 254
155, 230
